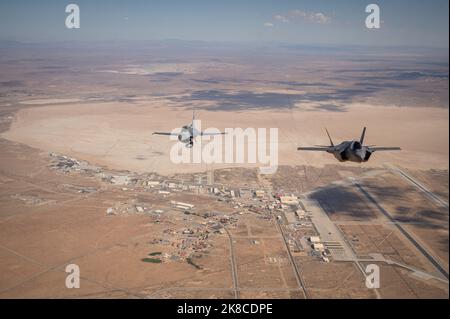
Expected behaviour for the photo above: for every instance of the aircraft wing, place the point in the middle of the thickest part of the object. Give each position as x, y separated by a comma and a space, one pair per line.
210, 134
373, 149
165, 133
318, 149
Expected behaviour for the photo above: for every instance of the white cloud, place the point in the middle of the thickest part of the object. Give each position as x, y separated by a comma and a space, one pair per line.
297, 14
268, 24
312, 17
319, 17
281, 18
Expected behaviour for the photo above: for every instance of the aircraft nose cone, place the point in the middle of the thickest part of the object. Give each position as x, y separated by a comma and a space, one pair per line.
184, 136
361, 153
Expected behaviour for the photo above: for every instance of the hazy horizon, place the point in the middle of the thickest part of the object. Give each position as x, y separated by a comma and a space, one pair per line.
415, 23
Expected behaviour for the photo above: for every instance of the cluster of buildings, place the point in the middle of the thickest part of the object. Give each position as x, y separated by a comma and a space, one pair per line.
128, 180
133, 206
301, 234
287, 209
187, 242
319, 248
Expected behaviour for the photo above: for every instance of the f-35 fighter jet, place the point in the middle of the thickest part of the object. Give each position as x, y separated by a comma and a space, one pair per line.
188, 133
353, 151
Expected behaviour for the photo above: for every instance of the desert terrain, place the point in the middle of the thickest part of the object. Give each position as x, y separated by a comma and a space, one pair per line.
83, 180
119, 135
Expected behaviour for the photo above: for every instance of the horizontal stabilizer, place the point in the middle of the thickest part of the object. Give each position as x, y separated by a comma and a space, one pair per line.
373, 149
211, 134
318, 149
165, 133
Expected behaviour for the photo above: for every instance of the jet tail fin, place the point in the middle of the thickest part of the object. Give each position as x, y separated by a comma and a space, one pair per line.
361, 140
331, 141
193, 118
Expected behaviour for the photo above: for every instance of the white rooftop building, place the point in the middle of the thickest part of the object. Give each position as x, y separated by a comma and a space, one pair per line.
318, 247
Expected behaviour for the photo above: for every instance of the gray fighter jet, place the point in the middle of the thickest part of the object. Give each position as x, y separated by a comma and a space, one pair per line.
353, 151
188, 133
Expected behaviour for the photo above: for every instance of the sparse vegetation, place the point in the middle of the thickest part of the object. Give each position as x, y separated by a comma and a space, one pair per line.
151, 260
156, 253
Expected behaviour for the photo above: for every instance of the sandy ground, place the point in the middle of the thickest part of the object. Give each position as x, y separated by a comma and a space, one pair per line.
119, 134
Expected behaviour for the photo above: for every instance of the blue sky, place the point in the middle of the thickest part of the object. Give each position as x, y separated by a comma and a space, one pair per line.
405, 22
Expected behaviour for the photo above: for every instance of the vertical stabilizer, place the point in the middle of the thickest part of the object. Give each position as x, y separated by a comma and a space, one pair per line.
331, 141
361, 140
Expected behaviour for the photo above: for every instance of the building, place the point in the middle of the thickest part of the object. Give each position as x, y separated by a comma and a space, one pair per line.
289, 200
152, 183
182, 206
139, 209
318, 247
314, 239
120, 180
260, 193
300, 213
290, 216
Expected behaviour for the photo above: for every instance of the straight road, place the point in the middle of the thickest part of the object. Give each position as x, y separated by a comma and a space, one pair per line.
411, 180
422, 249
233, 267
298, 277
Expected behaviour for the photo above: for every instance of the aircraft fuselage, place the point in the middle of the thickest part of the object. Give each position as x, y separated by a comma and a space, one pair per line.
350, 151
187, 135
